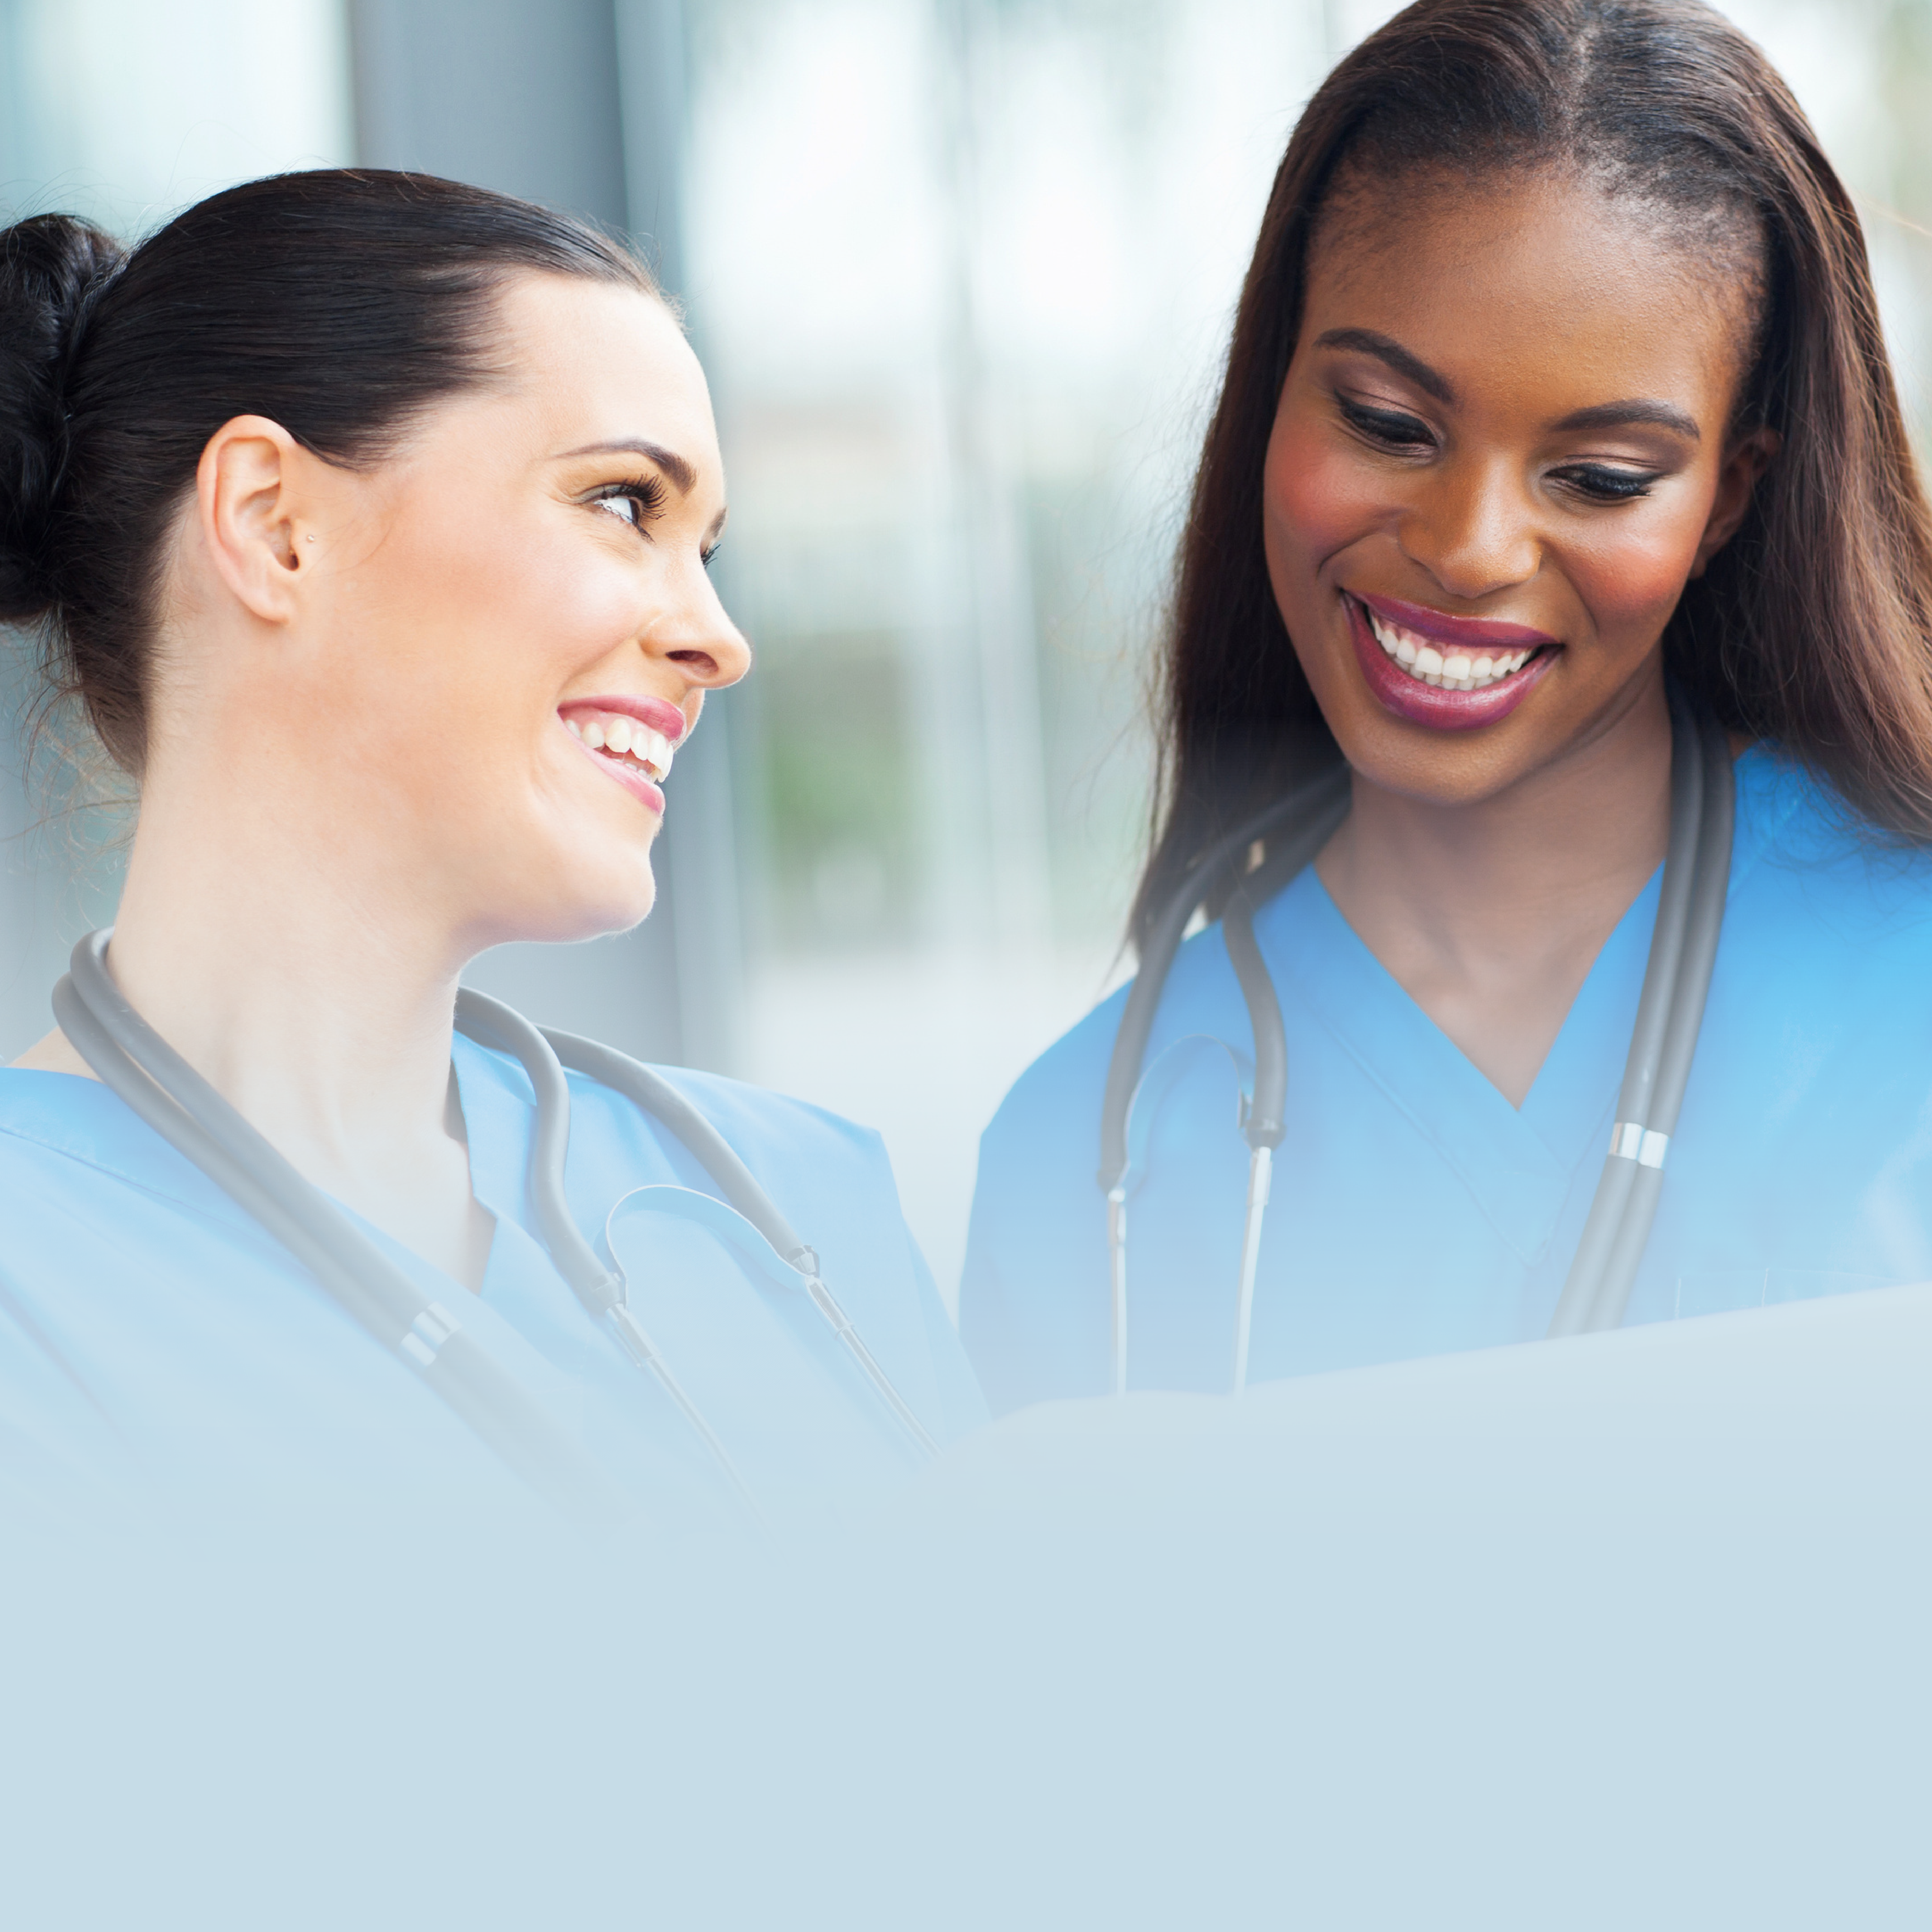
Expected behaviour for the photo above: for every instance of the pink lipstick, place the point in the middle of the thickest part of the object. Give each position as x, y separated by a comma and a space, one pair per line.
656, 714
630, 739
1449, 674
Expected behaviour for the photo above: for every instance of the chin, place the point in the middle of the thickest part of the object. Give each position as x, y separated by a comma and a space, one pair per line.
609, 913
1438, 767
578, 903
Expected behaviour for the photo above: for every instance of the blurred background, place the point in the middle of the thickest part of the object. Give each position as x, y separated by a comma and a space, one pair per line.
961, 272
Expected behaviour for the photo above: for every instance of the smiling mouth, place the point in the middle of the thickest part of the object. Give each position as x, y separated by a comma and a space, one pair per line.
1448, 669
624, 741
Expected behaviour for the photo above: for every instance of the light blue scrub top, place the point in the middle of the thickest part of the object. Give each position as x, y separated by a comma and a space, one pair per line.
1415, 1210
146, 1322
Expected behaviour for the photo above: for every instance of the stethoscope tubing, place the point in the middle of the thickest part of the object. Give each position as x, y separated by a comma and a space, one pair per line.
1576, 1308
136, 1064
1319, 804
1663, 1041
546, 1052
1597, 1292
601, 1290
1263, 1126
1326, 798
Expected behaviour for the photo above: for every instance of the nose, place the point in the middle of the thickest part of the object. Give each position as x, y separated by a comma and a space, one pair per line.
1474, 530
692, 631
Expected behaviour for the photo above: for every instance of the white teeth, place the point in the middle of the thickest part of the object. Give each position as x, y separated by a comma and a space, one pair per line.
653, 749
1455, 671
622, 736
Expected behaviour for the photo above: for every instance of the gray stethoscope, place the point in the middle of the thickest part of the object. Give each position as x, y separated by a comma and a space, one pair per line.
134, 1060
1683, 947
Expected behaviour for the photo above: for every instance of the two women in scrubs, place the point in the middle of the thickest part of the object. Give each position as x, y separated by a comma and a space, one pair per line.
366, 518
1557, 379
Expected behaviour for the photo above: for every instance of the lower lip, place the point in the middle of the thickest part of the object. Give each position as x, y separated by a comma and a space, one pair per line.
1409, 697
630, 776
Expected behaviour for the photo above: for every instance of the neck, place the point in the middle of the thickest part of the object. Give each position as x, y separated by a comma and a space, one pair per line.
319, 1010
279, 945
1491, 914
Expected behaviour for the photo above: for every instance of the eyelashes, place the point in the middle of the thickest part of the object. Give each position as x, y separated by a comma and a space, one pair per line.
1607, 486
643, 497
1390, 428
637, 501
1398, 432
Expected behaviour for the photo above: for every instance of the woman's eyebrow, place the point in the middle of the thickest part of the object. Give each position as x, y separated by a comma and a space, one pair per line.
1637, 410
673, 465
1385, 349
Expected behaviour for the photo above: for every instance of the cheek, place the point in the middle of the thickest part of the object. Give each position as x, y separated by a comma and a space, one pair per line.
472, 627
531, 609
1630, 574
1317, 501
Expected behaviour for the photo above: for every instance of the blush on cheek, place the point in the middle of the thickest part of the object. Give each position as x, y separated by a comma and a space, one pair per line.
1318, 500
1630, 583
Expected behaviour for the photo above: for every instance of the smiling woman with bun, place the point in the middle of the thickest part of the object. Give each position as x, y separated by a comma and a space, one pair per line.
366, 517
1556, 388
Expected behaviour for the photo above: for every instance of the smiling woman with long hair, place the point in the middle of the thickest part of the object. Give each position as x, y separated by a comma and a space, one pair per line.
367, 517
1556, 409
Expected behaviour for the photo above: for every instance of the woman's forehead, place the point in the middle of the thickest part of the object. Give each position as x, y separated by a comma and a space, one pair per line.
1529, 274
596, 361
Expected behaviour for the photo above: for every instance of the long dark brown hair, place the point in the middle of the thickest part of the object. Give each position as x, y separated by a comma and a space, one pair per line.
1814, 626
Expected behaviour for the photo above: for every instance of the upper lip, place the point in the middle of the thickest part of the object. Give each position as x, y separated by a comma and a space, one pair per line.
1472, 633
658, 714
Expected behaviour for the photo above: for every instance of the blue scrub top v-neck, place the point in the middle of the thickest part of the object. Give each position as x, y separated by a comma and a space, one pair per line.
148, 1324
1415, 1211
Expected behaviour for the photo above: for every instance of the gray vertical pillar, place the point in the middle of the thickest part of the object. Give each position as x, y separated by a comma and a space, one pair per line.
995, 680
699, 846
578, 104
518, 95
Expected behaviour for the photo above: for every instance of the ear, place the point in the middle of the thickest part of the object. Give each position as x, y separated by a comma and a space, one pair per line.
249, 490
1744, 462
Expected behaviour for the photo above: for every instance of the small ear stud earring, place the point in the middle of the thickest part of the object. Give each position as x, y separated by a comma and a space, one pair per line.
309, 539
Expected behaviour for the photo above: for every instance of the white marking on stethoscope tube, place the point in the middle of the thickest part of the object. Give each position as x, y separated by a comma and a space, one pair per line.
427, 1334
1261, 1184
1630, 1141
